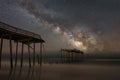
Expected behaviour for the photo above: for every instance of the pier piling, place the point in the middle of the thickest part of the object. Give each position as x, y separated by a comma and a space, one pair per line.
11, 52
22, 54
41, 46
29, 55
33, 54
1, 45
16, 54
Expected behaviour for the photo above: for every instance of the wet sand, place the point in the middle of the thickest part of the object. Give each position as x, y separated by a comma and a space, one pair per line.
62, 72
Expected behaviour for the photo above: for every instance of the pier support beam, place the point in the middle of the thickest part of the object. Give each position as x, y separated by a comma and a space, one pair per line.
65, 57
1, 45
33, 54
16, 54
72, 57
29, 55
61, 56
11, 59
41, 46
22, 54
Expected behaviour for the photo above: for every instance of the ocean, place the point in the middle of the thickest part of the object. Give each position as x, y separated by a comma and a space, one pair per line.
51, 71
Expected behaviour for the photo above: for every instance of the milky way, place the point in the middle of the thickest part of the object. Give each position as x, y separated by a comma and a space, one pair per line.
85, 25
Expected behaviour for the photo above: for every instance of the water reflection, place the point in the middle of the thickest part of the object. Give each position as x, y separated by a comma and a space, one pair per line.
20, 72
10, 73
25, 73
28, 74
83, 71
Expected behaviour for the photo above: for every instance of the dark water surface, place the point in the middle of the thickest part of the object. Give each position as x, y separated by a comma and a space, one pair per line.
83, 71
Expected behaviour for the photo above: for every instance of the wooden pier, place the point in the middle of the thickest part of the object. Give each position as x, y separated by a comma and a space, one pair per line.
71, 55
19, 36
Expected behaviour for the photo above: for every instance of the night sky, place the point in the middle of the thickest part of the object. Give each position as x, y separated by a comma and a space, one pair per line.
89, 25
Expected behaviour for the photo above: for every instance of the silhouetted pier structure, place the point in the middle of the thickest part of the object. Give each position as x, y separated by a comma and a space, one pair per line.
19, 36
71, 55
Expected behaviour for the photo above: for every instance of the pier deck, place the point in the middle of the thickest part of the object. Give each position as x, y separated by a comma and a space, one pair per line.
20, 36
16, 34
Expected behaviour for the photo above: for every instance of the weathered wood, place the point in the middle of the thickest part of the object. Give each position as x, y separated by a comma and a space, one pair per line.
11, 59
22, 55
1, 45
16, 54
41, 47
33, 54
29, 55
